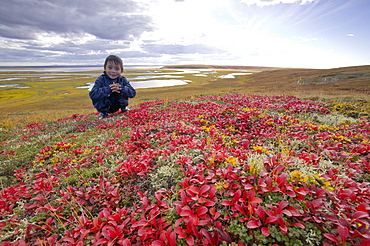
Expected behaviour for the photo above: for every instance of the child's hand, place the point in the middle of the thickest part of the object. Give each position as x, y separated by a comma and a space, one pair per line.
115, 87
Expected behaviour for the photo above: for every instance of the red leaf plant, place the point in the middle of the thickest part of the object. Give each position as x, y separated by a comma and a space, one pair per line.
208, 170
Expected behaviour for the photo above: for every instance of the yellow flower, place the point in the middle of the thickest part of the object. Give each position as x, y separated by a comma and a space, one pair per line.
327, 186
317, 176
253, 169
305, 179
232, 160
260, 149
269, 122
221, 184
298, 176
340, 138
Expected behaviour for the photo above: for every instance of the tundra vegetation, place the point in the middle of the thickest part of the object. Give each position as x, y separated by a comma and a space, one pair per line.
278, 157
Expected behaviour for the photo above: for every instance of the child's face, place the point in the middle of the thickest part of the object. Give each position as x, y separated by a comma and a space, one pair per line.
113, 70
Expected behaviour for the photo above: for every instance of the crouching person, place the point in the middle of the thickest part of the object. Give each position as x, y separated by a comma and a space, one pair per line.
111, 91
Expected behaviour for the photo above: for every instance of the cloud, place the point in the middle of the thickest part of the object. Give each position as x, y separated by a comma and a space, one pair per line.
176, 49
64, 50
304, 39
274, 2
27, 19
58, 32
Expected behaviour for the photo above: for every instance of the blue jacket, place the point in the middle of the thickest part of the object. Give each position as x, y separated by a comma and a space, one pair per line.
104, 100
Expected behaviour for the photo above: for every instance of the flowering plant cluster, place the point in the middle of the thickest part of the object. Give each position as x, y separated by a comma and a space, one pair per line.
209, 170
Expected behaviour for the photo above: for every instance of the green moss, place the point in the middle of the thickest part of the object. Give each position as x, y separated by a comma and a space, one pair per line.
76, 177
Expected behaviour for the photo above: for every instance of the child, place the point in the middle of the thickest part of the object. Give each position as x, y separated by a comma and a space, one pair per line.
111, 91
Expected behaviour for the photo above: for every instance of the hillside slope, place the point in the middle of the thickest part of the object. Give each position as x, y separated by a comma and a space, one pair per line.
338, 82
208, 170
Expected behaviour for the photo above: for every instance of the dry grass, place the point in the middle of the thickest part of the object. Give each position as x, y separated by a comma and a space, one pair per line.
283, 82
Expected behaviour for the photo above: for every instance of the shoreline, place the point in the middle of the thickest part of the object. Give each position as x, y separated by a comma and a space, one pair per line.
223, 67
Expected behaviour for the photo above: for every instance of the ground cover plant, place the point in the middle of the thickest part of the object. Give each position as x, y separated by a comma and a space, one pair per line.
208, 170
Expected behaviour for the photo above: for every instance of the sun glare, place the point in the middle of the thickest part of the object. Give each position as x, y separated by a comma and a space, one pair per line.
244, 34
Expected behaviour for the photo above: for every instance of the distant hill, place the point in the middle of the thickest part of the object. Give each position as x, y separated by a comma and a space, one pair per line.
355, 78
250, 68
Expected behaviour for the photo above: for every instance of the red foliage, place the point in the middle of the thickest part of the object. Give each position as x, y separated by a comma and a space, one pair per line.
105, 191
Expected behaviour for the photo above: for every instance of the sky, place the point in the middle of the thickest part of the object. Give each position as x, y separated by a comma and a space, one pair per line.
270, 33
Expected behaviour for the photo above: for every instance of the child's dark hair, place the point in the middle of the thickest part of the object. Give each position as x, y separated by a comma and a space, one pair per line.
114, 59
